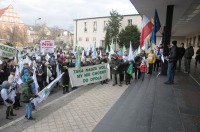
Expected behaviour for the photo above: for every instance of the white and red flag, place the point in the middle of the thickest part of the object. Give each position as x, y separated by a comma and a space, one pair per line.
146, 30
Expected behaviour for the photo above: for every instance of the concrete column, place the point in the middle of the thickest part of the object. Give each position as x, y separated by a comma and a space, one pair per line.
167, 37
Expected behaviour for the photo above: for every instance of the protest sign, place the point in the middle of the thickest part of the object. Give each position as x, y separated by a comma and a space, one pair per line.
47, 46
88, 74
7, 51
44, 93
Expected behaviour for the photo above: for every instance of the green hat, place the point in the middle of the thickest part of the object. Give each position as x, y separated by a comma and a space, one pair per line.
30, 80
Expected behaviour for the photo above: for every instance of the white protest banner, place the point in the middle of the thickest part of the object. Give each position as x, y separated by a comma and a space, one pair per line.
47, 46
7, 51
88, 74
44, 93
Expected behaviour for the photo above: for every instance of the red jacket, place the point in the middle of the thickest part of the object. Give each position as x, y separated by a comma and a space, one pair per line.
143, 67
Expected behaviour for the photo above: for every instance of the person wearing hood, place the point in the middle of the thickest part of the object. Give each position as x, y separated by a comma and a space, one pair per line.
26, 75
26, 96
6, 95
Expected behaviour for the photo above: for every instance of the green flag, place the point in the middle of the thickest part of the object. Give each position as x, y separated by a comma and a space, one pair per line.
130, 69
78, 58
124, 48
121, 49
107, 50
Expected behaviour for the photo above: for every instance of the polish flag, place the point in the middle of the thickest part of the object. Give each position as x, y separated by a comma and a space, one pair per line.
146, 30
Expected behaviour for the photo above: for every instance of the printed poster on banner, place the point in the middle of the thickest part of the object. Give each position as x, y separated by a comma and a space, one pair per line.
88, 74
7, 51
47, 46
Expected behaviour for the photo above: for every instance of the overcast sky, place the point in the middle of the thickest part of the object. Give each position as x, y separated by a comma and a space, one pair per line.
62, 12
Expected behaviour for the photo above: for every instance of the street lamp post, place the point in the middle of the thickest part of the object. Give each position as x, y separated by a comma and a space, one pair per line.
35, 30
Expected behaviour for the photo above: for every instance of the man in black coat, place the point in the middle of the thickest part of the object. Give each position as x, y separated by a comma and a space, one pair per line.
181, 52
172, 62
66, 78
197, 58
189, 52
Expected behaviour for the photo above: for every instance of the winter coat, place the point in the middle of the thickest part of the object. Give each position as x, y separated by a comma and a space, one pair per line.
27, 92
189, 52
114, 65
197, 54
181, 52
151, 58
138, 60
143, 67
173, 54
5, 96
90, 63
64, 69
25, 77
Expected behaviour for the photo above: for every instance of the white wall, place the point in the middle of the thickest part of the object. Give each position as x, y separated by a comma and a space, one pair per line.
100, 33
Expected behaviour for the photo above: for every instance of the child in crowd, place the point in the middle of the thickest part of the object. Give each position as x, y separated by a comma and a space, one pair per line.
143, 69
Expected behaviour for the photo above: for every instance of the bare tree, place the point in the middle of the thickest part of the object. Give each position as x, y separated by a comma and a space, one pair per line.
16, 34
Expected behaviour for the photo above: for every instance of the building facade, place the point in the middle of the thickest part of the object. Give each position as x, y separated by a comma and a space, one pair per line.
11, 25
87, 31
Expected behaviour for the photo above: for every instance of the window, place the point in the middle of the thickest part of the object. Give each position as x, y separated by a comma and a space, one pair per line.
104, 26
80, 39
16, 20
11, 20
85, 27
87, 39
95, 26
129, 22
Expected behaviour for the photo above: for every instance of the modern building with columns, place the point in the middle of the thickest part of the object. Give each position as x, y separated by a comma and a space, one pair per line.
90, 30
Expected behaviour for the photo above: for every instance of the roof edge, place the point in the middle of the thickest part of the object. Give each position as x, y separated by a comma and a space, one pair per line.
104, 17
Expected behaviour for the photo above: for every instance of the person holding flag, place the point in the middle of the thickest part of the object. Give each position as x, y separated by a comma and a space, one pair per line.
26, 96
6, 95
129, 71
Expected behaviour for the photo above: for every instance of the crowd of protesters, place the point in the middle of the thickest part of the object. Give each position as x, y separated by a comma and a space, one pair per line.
123, 70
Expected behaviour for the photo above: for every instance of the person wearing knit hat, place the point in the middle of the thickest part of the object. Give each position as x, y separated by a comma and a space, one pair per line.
26, 75
26, 96
6, 95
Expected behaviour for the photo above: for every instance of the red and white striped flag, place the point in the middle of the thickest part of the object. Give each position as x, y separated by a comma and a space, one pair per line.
146, 30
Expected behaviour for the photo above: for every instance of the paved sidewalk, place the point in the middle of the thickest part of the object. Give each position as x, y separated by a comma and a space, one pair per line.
152, 106
83, 113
